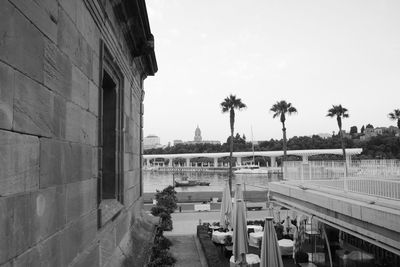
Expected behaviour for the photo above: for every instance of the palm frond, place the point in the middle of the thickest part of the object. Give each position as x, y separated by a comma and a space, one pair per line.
231, 102
274, 108
395, 115
280, 108
292, 110
338, 110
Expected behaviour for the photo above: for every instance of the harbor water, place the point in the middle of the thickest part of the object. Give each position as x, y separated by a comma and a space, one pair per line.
158, 180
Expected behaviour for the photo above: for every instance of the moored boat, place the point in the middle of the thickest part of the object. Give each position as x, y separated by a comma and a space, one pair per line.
184, 181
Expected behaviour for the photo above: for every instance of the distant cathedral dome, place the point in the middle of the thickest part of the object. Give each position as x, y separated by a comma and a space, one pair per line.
197, 134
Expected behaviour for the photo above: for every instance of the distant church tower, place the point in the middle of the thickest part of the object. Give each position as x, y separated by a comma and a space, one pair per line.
197, 134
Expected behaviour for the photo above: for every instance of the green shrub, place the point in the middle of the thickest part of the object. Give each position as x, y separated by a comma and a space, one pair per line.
156, 210
164, 259
160, 256
301, 257
164, 242
166, 221
211, 253
166, 204
167, 198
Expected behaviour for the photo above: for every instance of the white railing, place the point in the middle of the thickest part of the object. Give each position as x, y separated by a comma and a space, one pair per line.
311, 170
378, 188
380, 178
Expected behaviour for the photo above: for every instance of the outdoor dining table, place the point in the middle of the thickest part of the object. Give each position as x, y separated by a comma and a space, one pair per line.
219, 237
252, 260
254, 238
286, 246
256, 228
214, 227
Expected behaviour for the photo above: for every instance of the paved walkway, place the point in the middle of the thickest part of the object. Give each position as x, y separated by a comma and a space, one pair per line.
187, 251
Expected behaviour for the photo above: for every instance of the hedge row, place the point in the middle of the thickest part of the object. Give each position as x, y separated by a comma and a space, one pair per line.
212, 255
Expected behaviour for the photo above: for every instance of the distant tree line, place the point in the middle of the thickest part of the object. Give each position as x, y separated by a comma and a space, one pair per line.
379, 147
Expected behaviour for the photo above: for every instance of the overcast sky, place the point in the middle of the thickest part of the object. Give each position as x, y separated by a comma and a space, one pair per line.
311, 53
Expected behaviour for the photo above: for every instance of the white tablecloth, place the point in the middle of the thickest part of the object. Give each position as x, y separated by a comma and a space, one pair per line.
252, 260
219, 237
254, 238
257, 228
286, 246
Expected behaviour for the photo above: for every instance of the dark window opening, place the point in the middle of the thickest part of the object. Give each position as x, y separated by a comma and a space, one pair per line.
109, 134
110, 183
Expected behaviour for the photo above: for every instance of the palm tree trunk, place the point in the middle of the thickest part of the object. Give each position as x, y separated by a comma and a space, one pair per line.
232, 122
344, 151
284, 148
284, 142
339, 121
230, 161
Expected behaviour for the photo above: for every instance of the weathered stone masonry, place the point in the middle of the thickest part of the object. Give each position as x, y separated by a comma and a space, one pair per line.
53, 58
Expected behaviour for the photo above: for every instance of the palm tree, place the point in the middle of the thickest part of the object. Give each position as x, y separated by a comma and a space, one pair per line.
229, 105
395, 115
280, 109
339, 112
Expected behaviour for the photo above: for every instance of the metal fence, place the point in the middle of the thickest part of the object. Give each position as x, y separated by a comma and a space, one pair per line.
311, 170
380, 178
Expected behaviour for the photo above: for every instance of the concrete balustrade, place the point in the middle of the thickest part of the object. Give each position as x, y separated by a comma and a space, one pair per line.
240, 155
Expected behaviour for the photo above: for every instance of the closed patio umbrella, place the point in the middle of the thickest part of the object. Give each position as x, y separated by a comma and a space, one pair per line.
270, 252
238, 195
239, 239
238, 192
226, 207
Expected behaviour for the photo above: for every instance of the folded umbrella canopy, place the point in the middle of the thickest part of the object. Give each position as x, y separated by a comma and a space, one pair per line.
226, 207
270, 252
238, 191
239, 239
238, 195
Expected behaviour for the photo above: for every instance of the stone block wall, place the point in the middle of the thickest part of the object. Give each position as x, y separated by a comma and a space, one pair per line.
50, 71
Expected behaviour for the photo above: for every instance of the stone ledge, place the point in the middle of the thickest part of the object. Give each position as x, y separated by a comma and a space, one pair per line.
109, 209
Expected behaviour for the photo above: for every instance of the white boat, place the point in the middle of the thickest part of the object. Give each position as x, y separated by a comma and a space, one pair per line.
255, 169
250, 169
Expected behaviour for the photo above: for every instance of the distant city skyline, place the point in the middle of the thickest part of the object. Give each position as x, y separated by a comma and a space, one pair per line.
311, 53
197, 139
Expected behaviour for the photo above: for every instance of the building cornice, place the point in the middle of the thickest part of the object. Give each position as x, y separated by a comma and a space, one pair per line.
132, 15
130, 66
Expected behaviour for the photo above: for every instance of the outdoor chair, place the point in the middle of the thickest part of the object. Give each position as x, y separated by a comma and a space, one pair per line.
250, 230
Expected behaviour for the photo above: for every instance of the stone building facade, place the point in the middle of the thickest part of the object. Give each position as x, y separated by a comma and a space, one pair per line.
71, 94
